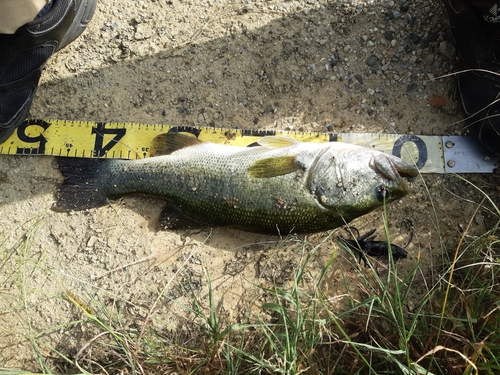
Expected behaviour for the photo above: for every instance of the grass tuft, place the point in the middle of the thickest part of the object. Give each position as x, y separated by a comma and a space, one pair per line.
339, 318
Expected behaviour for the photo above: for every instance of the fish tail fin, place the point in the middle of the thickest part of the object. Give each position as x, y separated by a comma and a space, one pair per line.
82, 187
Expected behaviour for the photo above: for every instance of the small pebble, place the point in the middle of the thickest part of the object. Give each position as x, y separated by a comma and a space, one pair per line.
447, 49
372, 60
437, 101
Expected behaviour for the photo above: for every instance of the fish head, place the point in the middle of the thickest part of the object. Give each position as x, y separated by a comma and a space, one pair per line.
353, 180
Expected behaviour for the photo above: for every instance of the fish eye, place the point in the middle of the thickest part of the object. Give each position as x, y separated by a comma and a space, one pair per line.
382, 193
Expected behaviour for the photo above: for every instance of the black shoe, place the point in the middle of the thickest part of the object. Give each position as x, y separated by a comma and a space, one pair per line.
24, 53
477, 36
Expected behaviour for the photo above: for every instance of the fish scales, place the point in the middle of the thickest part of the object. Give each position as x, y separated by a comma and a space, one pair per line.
213, 186
281, 187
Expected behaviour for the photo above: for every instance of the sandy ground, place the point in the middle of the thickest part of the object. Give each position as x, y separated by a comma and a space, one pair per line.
293, 65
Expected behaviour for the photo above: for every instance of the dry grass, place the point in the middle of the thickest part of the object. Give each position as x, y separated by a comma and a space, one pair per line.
454, 328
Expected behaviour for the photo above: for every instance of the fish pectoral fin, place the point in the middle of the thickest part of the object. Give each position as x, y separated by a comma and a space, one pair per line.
171, 217
272, 167
276, 141
167, 143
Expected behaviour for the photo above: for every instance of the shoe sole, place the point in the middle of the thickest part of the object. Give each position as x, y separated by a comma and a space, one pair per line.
84, 15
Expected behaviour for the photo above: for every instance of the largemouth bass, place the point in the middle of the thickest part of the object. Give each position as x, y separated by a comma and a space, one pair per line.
281, 186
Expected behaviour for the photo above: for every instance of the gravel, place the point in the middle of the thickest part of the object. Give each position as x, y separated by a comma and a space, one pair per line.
314, 65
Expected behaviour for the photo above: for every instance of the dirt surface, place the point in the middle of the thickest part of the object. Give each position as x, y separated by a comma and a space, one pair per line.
292, 65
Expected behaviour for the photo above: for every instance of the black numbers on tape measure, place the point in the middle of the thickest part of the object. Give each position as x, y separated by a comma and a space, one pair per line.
100, 149
417, 141
32, 133
38, 139
333, 138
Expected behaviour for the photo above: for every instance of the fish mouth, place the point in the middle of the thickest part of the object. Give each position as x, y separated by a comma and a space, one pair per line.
393, 168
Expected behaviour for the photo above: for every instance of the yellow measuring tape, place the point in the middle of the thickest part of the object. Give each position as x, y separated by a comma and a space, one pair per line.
87, 139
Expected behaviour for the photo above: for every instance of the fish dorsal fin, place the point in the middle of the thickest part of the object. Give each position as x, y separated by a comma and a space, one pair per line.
272, 167
167, 143
276, 141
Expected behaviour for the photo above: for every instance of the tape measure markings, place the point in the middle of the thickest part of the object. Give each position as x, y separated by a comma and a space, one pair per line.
88, 139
